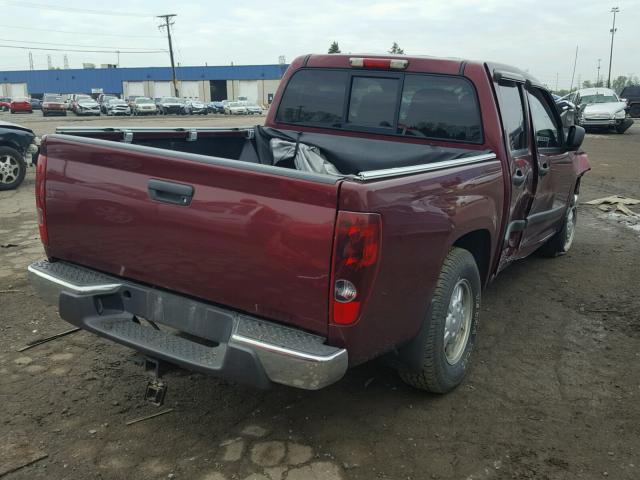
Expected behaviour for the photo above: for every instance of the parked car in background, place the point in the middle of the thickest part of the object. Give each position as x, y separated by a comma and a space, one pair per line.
631, 95
103, 100
600, 109
234, 108
116, 106
215, 107
53, 105
195, 107
143, 106
252, 108
20, 104
170, 105
566, 109
18, 145
85, 105
340, 232
36, 103
5, 103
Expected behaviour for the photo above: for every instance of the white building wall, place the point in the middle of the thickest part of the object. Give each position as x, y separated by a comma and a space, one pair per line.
133, 89
13, 90
190, 89
162, 89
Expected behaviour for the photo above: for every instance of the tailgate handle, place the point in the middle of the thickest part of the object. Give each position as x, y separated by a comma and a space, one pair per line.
169, 192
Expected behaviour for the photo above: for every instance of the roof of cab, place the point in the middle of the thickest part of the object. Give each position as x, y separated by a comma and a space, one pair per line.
417, 63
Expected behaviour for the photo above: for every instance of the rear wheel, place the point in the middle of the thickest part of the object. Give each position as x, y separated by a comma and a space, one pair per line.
450, 326
634, 111
12, 168
561, 242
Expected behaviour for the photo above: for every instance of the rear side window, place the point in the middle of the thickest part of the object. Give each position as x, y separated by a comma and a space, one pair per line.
424, 106
440, 107
512, 114
314, 97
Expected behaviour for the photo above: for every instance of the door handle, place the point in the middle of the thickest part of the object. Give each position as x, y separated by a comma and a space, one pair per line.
169, 192
518, 177
543, 167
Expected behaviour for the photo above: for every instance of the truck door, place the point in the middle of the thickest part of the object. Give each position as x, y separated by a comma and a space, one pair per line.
513, 113
553, 170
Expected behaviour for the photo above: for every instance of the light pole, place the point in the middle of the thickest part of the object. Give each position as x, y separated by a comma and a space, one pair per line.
614, 10
598, 76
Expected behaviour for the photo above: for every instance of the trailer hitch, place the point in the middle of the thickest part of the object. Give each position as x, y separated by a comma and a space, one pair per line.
156, 389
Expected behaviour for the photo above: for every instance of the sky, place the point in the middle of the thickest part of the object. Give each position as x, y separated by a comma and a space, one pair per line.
538, 36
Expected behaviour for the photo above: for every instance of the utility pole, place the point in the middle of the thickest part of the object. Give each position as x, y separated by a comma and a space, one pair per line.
167, 24
30, 61
556, 82
575, 61
598, 75
614, 10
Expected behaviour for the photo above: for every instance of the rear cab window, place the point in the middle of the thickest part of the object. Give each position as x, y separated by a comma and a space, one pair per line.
440, 107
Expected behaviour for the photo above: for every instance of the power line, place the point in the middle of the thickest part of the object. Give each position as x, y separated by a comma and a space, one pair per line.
68, 32
72, 44
75, 50
40, 6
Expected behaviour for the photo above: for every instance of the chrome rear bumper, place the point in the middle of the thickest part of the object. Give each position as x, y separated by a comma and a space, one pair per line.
220, 342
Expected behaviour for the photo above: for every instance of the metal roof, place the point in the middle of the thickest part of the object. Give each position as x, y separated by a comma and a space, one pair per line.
110, 79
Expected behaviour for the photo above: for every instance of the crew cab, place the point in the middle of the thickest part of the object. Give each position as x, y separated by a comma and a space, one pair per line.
363, 220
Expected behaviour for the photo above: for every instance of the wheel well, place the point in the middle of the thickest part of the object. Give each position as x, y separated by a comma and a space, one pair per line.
478, 243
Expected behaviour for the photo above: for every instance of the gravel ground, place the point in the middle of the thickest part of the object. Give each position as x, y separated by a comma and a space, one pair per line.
554, 393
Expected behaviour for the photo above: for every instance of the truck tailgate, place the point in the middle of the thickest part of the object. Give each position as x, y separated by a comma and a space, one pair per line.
249, 239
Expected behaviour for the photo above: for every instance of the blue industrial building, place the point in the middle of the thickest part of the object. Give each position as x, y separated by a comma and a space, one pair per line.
116, 80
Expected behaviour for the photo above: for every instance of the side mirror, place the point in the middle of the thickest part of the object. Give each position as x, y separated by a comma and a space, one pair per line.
575, 137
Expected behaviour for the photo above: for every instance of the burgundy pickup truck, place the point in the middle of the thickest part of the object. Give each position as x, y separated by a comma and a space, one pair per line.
364, 219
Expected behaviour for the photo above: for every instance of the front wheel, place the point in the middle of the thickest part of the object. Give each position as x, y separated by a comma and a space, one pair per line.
561, 242
449, 329
12, 168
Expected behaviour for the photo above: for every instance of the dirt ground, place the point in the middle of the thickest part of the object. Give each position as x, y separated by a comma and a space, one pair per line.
554, 392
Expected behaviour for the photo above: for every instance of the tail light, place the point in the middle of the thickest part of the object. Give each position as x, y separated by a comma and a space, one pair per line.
356, 254
379, 63
41, 174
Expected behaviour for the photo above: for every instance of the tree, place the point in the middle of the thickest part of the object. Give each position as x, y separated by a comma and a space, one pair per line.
619, 83
395, 48
587, 84
334, 48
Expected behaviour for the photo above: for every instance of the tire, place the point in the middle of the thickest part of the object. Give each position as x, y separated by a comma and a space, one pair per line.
12, 168
634, 111
444, 364
562, 241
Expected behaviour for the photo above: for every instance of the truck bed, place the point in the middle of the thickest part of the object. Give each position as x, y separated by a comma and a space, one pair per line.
248, 239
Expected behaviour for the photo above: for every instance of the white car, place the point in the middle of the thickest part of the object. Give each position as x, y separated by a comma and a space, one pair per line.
235, 108
116, 106
143, 106
252, 108
600, 108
